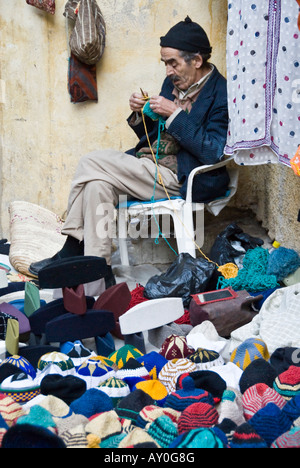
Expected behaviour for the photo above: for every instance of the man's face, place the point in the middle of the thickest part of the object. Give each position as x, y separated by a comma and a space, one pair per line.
182, 74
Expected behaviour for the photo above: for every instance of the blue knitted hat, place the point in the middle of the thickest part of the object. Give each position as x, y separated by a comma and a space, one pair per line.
93, 401
245, 436
188, 395
200, 438
270, 423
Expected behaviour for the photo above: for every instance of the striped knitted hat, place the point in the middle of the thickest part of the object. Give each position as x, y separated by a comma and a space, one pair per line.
173, 370
200, 438
130, 406
292, 410
197, 415
248, 351
270, 422
287, 384
20, 387
257, 397
290, 439
10, 410
163, 431
149, 413
188, 395
245, 436
231, 407
115, 388
56, 363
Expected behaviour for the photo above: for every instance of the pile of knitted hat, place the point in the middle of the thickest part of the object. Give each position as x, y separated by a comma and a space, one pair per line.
178, 397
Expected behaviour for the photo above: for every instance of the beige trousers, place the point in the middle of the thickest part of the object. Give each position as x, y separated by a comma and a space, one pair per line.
100, 179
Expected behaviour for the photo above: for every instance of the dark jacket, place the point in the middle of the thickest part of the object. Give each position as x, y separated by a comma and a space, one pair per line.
202, 135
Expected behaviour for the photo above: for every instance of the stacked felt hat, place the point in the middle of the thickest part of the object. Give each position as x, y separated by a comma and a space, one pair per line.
287, 383
182, 398
175, 347
115, 299
248, 351
38, 416
257, 397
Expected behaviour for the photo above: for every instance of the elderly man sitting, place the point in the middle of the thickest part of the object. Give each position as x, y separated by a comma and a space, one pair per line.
193, 104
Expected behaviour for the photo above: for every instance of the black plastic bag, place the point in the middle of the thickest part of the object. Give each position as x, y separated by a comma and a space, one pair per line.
223, 251
186, 276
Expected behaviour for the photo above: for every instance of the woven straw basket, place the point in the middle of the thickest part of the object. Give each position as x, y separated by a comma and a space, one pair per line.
35, 234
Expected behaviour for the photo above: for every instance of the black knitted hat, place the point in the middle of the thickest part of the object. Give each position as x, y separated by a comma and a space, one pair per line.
187, 36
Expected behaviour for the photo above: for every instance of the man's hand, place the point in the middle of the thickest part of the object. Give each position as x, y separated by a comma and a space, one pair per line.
137, 102
162, 106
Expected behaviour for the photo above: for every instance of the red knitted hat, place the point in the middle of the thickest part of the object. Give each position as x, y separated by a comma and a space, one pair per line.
196, 416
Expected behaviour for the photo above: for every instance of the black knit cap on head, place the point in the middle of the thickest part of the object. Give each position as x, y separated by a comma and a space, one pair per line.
187, 36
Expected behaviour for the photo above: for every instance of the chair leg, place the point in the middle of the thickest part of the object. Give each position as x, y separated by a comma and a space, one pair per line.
123, 252
184, 232
122, 236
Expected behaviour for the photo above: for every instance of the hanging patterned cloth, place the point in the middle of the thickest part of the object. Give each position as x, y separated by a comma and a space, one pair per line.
263, 64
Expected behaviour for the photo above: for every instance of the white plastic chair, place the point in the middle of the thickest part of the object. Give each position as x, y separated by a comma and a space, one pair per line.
186, 230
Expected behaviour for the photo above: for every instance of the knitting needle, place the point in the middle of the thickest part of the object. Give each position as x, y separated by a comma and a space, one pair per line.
145, 96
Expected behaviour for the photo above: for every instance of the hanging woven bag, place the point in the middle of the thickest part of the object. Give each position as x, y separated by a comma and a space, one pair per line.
87, 40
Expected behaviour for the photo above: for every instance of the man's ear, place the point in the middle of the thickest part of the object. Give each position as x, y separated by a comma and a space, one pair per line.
198, 61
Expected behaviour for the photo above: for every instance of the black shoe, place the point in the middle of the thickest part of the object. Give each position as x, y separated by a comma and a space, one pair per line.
36, 267
71, 248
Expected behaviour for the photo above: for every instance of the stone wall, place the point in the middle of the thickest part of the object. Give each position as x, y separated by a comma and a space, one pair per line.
43, 134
